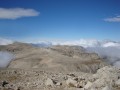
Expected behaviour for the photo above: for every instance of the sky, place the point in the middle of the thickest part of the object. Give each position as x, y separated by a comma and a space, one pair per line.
28, 20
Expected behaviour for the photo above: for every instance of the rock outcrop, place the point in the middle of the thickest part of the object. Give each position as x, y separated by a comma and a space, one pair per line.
106, 78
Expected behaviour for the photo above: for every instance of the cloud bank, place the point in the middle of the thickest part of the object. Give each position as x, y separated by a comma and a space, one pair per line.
5, 59
82, 42
110, 54
5, 41
15, 13
113, 19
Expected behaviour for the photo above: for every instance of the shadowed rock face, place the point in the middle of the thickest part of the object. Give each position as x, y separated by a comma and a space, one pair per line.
55, 58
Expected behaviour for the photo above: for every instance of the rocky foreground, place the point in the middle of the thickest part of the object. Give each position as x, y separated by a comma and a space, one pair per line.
56, 68
106, 78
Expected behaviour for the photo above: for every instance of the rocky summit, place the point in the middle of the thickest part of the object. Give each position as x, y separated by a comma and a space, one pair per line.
58, 67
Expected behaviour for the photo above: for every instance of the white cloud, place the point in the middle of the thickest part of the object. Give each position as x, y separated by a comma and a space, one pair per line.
15, 13
5, 58
5, 41
113, 19
111, 54
82, 42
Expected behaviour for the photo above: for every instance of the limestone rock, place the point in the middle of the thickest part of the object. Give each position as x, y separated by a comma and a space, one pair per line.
117, 83
58, 84
71, 83
88, 85
108, 79
81, 84
106, 76
107, 88
49, 82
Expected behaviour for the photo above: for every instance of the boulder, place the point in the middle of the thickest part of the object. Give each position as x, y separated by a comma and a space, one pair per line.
71, 82
49, 82
81, 84
107, 88
88, 85
117, 83
58, 84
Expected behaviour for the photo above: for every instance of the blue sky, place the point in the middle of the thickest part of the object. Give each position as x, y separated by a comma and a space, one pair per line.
60, 19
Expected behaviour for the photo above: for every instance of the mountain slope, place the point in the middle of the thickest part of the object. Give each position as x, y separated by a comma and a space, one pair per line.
55, 58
